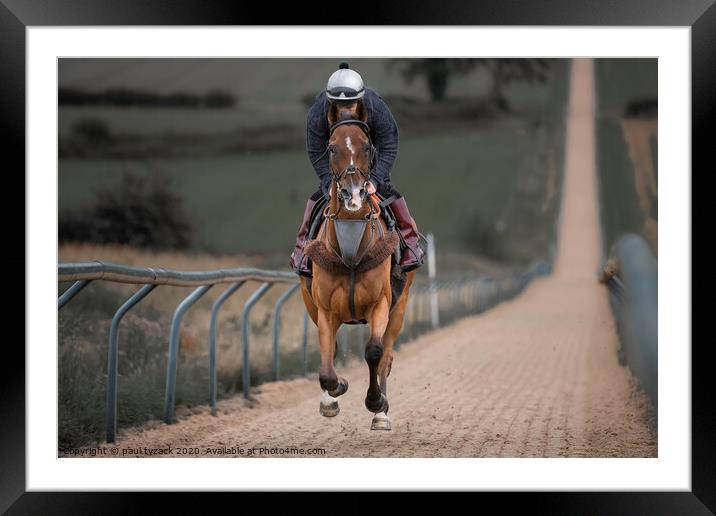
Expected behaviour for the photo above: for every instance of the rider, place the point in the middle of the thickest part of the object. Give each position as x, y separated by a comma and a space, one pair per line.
345, 86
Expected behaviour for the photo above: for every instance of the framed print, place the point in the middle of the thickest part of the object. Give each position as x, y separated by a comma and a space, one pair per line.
475, 308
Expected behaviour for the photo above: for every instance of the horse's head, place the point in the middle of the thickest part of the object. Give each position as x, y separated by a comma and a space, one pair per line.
350, 153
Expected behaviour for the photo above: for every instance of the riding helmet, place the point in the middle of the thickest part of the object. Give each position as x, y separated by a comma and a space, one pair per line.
345, 84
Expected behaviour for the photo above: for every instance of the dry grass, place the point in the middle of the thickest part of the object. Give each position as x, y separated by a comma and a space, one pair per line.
144, 335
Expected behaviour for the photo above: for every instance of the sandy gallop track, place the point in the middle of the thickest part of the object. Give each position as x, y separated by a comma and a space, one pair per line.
534, 377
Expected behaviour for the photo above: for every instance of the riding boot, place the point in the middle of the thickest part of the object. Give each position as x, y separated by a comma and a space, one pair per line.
411, 257
299, 261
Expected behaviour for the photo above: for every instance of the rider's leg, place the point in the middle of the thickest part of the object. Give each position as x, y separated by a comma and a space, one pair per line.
412, 257
299, 261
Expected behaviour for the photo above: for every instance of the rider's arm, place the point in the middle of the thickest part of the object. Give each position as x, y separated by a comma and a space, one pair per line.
317, 140
384, 131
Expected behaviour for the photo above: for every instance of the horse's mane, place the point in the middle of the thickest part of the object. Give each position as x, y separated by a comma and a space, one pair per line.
346, 115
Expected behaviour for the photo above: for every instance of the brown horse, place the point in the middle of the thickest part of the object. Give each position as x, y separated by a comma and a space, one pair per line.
352, 273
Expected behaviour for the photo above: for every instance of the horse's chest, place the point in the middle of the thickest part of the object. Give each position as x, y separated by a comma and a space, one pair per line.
333, 295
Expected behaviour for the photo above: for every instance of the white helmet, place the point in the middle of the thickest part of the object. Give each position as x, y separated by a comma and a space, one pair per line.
345, 84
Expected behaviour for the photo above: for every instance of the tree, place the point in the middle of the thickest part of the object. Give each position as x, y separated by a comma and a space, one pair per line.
438, 71
505, 71
219, 99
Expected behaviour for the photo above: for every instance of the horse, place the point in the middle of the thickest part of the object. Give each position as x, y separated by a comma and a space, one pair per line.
351, 258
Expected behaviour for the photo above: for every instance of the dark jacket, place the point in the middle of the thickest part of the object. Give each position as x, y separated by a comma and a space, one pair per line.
383, 132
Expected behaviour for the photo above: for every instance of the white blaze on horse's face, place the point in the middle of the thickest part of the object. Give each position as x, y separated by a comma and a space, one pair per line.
349, 144
355, 187
349, 161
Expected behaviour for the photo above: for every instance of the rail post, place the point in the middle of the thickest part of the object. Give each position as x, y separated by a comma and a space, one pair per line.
174, 350
71, 292
277, 327
212, 341
435, 317
112, 359
246, 366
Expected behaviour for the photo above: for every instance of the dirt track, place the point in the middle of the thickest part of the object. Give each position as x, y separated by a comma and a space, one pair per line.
534, 377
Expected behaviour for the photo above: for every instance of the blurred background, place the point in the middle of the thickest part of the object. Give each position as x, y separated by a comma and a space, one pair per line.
185, 154
174, 163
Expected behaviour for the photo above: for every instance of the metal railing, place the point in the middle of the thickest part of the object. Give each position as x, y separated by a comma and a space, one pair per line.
84, 273
632, 278
448, 300
430, 301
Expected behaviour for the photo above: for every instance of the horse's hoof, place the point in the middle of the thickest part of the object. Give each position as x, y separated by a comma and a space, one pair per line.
329, 405
341, 389
380, 422
377, 405
330, 409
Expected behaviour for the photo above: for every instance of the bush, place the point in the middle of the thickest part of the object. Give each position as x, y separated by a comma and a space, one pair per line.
128, 97
642, 108
142, 211
91, 131
219, 99
182, 100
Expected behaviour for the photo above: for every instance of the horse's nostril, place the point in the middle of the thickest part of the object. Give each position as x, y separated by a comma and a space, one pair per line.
344, 192
362, 192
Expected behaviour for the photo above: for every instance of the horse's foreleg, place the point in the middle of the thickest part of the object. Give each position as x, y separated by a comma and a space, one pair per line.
308, 301
328, 326
395, 324
375, 400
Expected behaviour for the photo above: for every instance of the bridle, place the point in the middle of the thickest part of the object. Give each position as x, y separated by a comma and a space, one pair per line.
352, 169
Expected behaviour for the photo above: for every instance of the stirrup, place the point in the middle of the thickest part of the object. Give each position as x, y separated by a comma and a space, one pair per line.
418, 263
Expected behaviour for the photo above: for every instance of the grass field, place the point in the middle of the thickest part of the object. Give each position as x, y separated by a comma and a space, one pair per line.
447, 180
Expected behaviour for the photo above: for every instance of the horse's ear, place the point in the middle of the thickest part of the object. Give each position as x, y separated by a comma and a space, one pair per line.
362, 112
332, 113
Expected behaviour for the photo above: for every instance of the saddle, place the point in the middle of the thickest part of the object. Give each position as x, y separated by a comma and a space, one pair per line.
391, 243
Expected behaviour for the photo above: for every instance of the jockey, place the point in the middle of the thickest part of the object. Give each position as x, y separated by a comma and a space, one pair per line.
345, 86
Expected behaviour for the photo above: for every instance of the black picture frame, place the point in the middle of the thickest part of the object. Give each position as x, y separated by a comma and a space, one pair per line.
17, 15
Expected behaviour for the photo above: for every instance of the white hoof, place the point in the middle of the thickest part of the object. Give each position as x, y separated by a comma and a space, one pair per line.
380, 422
329, 405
